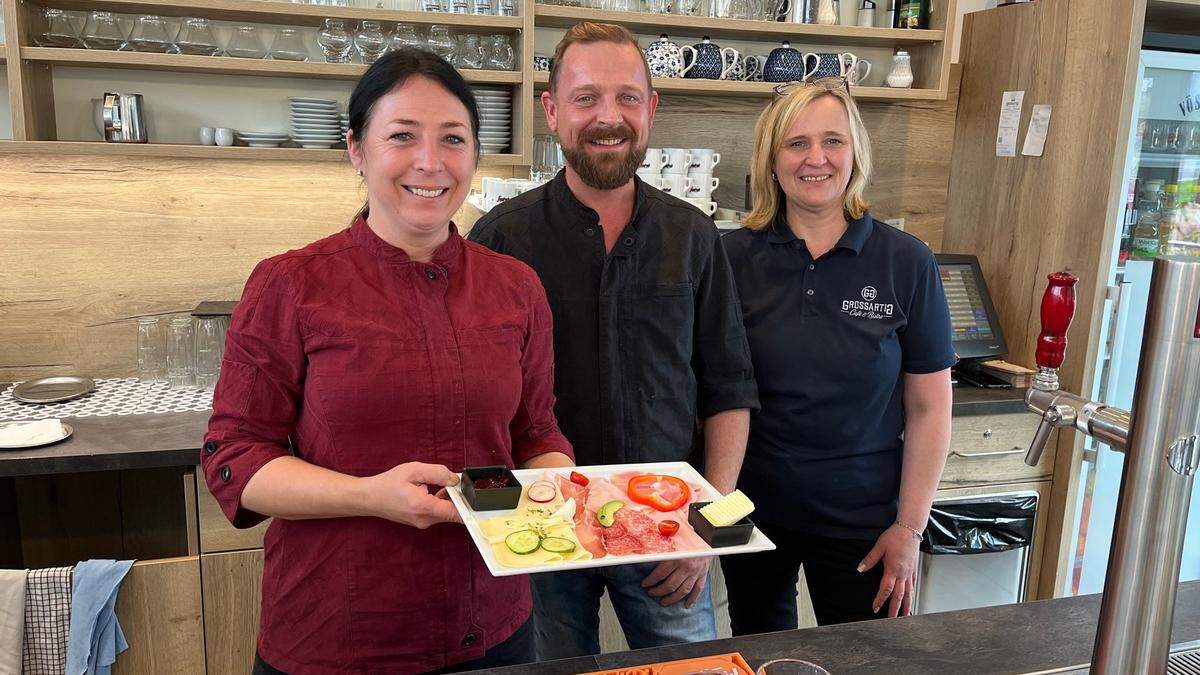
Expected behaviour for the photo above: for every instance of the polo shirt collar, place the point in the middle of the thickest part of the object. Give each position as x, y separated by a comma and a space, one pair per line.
853, 239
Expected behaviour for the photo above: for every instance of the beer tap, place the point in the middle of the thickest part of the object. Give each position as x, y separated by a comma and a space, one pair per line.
1161, 442
1059, 408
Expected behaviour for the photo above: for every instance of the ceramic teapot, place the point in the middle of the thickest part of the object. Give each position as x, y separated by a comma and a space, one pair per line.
705, 61
664, 57
785, 64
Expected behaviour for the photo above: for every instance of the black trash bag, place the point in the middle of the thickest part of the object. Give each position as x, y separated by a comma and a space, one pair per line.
985, 526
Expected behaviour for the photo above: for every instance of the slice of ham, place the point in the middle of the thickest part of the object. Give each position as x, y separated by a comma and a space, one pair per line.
586, 528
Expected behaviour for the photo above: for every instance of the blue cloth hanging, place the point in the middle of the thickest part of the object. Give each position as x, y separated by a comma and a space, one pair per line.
95, 638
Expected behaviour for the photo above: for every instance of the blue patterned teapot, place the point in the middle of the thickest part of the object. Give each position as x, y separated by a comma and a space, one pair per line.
705, 61
785, 64
664, 58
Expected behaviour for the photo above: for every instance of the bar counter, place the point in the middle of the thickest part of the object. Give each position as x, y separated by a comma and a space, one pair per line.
1025, 638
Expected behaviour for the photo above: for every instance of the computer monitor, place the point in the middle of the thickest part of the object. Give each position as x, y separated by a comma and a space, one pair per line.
976, 326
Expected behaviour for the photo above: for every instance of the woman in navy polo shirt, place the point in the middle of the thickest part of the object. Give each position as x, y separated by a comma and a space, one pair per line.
851, 340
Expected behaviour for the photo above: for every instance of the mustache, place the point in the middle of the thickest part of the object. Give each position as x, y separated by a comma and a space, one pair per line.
620, 133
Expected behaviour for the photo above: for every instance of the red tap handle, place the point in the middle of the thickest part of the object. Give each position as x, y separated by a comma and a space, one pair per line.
1058, 308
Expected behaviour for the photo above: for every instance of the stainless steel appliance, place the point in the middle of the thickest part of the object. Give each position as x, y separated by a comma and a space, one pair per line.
124, 118
1162, 453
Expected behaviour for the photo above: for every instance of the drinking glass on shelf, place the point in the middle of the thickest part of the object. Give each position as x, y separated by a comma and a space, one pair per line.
247, 43
460, 7
406, 36
506, 8
498, 53
370, 41
547, 158
210, 345
151, 34
482, 7
60, 32
432, 6
442, 43
335, 41
103, 31
196, 37
289, 45
470, 52
690, 7
151, 350
659, 6
181, 338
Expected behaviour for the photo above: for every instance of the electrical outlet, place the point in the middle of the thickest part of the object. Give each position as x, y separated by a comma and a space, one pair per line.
897, 223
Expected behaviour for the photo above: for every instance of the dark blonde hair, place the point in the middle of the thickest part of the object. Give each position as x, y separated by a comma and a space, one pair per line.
587, 32
769, 133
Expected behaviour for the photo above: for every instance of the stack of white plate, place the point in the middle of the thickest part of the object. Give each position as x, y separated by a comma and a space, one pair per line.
262, 139
344, 120
495, 119
315, 122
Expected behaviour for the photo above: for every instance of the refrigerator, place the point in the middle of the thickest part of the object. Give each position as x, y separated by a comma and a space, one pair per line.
1160, 214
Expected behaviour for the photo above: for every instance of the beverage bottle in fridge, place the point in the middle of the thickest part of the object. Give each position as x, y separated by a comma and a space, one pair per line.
1144, 243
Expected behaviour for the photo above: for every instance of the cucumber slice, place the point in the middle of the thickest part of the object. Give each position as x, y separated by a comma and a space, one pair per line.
558, 545
523, 542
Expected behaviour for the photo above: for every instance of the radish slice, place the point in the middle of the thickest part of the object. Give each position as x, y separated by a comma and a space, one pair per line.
542, 492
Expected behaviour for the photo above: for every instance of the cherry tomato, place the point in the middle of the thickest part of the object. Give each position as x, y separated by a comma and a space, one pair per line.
663, 493
579, 479
668, 528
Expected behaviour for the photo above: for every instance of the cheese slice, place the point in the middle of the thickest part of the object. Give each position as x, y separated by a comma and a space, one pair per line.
728, 509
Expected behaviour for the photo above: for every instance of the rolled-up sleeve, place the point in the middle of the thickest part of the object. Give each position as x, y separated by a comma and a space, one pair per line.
721, 359
258, 394
534, 428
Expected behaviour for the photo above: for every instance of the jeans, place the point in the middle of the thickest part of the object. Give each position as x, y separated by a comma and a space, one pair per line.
762, 586
566, 606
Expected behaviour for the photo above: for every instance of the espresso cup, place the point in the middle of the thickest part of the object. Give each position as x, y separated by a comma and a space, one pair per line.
208, 136
704, 160
858, 69
490, 187
654, 180
653, 162
223, 136
678, 161
706, 206
702, 185
676, 184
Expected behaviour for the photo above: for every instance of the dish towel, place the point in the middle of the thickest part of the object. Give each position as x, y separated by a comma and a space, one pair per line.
47, 619
96, 637
12, 619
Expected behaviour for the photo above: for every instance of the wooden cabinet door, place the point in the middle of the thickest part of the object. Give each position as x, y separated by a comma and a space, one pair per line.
159, 610
232, 603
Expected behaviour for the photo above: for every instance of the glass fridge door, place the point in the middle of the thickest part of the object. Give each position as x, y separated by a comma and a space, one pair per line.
1160, 215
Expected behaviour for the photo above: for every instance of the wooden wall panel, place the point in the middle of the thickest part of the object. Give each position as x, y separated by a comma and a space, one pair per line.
912, 145
159, 608
91, 242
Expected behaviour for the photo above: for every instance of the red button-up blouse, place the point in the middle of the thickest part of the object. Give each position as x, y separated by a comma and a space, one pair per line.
362, 359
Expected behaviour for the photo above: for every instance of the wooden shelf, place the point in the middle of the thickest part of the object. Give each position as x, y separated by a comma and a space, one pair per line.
683, 86
284, 13
226, 65
200, 151
554, 16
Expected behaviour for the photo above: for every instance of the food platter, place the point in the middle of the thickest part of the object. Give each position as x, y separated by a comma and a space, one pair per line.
485, 527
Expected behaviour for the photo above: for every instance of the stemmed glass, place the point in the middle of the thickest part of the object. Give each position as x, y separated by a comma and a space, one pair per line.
196, 37
151, 34
335, 42
246, 43
370, 42
406, 36
103, 32
59, 30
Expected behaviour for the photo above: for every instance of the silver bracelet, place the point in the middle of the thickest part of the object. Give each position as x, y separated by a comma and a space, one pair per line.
916, 533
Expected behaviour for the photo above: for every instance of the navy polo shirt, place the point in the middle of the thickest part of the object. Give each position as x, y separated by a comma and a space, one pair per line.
830, 341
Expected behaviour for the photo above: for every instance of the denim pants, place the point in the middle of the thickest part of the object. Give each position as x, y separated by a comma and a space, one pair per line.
566, 608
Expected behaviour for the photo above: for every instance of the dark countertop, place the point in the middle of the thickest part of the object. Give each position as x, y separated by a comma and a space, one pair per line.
173, 439
1022, 638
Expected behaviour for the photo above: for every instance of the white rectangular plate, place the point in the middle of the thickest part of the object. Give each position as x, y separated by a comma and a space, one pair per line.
471, 518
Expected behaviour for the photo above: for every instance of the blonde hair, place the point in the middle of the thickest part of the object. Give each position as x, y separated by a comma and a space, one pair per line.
773, 123
589, 31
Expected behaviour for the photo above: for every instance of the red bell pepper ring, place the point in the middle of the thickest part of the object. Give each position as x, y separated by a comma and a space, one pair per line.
662, 493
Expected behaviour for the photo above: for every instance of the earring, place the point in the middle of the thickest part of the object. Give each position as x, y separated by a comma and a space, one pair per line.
360, 174
773, 176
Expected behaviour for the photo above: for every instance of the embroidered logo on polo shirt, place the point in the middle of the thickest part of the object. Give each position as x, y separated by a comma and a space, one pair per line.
867, 308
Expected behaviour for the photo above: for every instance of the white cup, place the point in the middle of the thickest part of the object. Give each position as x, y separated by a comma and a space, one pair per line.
678, 160
507, 189
654, 180
223, 136
676, 184
704, 160
702, 185
208, 136
706, 206
653, 162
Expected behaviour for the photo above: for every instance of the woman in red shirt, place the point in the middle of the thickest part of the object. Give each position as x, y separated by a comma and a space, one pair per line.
360, 373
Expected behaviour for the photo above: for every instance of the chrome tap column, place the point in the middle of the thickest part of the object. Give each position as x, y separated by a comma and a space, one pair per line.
1162, 454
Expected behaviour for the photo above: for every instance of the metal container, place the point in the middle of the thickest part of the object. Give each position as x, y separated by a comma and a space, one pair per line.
124, 118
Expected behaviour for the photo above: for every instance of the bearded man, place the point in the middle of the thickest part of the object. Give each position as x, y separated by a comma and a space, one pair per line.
651, 362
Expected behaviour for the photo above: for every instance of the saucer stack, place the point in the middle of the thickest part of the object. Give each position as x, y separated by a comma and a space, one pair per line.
262, 139
315, 122
495, 119
344, 119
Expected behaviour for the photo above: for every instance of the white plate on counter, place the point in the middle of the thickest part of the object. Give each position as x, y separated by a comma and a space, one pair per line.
66, 433
471, 518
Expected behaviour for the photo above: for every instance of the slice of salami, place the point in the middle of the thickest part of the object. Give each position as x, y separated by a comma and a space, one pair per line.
623, 545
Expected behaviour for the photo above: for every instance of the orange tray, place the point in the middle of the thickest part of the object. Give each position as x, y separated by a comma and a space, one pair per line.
685, 666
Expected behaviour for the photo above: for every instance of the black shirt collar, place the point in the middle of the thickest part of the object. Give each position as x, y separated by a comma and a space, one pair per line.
854, 238
561, 193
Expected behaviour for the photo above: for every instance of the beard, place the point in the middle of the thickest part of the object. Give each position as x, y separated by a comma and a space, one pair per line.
609, 170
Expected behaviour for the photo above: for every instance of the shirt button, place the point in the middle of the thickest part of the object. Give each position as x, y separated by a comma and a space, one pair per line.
590, 231
469, 639
457, 422
629, 241
812, 267
430, 273
809, 291
210, 447
226, 473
